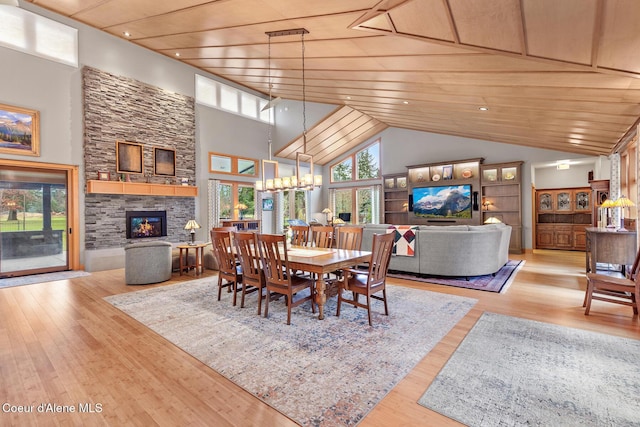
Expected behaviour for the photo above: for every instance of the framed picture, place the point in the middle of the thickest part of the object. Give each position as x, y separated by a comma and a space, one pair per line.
104, 176
19, 131
164, 162
128, 157
447, 172
267, 204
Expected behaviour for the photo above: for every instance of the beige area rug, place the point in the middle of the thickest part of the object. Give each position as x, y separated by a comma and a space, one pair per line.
40, 278
516, 372
329, 373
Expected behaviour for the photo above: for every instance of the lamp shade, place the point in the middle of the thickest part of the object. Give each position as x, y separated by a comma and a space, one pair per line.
326, 211
241, 206
191, 225
492, 220
608, 203
623, 202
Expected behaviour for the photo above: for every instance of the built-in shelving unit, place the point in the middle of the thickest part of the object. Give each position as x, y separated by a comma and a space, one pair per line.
140, 189
502, 198
396, 199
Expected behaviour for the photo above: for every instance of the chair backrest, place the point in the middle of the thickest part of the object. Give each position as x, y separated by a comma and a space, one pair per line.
223, 252
323, 236
380, 257
300, 235
273, 253
247, 253
349, 237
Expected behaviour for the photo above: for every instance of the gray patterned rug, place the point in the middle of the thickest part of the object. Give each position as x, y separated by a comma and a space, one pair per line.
516, 372
40, 278
318, 373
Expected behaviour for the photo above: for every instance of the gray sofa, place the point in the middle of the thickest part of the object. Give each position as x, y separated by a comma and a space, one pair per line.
454, 250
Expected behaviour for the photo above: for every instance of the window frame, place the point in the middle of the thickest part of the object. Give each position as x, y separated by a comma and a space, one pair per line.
235, 162
235, 194
354, 165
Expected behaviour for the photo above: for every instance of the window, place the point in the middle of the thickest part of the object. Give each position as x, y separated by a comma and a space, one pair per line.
219, 95
233, 195
294, 205
36, 35
367, 165
233, 165
360, 204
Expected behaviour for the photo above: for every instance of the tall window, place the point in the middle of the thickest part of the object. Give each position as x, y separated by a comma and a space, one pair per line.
294, 205
367, 165
360, 205
235, 195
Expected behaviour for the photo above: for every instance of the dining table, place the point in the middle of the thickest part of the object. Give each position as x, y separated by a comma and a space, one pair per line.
321, 261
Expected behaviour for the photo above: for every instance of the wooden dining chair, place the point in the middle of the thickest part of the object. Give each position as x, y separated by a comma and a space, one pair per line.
369, 282
228, 269
618, 290
322, 236
300, 236
252, 274
279, 278
224, 229
349, 237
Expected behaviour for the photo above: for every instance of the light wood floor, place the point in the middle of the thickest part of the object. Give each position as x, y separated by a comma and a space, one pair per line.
61, 343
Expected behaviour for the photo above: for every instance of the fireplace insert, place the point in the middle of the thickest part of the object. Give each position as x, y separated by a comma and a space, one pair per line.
142, 224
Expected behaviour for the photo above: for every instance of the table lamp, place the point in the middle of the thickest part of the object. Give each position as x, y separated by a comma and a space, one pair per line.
327, 213
492, 220
241, 207
622, 203
607, 205
192, 225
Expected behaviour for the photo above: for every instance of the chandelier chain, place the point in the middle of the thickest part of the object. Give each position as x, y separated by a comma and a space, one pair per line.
304, 102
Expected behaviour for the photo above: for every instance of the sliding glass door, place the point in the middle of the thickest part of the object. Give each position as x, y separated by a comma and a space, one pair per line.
33, 221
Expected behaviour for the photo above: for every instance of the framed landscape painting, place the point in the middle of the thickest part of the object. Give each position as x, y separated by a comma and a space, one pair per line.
164, 162
128, 157
19, 131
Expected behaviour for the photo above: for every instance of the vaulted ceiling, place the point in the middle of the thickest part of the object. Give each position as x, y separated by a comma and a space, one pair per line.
555, 74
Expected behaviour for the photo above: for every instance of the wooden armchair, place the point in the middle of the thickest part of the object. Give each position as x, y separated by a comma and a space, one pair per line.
279, 278
252, 273
227, 268
349, 237
617, 290
372, 281
322, 236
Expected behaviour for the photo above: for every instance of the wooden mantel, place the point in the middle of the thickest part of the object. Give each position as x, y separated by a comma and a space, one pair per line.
140, 188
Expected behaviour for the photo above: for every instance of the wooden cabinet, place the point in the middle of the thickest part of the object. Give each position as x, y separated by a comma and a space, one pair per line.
243, 224
396, 199
502, 198
562, 215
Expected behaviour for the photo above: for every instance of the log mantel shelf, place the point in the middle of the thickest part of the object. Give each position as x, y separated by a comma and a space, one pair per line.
140, 188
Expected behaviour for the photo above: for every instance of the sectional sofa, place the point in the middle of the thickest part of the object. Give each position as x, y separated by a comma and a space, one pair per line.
454, 250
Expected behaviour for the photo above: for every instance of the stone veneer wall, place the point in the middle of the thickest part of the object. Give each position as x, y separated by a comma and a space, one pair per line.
124, 109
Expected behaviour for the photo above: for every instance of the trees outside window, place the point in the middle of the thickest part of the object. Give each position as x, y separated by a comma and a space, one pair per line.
231, 195
367, 165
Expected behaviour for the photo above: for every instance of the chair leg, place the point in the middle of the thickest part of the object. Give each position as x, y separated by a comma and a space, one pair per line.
339, 302
384, 296
289, 304
259, 299
244, 291
588, 297
369, 308
635, 296
234, 285
266, 304
219, 287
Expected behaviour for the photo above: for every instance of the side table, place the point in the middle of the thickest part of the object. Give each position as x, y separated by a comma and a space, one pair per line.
184, 259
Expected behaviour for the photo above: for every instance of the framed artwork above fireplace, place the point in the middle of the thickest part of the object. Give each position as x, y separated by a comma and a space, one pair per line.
128, 157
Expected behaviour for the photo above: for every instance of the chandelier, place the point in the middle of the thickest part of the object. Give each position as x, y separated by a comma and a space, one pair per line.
271, 181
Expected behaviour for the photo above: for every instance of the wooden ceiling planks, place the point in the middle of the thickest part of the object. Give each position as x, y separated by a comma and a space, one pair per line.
561, 75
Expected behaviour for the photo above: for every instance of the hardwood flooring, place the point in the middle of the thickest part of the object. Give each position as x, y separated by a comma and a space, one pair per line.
62, 344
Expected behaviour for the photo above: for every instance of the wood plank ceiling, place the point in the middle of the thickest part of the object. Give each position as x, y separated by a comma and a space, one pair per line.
561, 75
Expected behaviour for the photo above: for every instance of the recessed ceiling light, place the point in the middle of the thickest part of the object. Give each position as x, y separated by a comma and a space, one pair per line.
483, 108
405, 102
348, 97
126, 34
177, 53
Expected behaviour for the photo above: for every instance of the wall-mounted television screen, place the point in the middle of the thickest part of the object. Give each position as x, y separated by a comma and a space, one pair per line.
447, 201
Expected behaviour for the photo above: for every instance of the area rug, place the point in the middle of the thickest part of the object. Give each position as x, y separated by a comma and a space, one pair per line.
40, 278
329, 372
516, 372
498, 283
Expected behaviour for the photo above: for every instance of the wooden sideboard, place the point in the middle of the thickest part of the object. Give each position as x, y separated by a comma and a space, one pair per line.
606, 245
243, 224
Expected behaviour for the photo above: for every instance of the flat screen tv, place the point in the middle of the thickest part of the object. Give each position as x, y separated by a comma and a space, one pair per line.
446, 201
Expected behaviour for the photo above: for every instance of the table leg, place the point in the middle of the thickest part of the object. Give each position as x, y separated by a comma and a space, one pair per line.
199, 260
321, 296
181, 263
